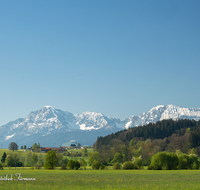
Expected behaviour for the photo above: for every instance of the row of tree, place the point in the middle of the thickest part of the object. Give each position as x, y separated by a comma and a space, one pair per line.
159, 161
52, 159
171, 161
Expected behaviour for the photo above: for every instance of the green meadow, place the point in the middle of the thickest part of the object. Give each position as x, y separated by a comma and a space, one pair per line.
24, 154
97, 179
103, 179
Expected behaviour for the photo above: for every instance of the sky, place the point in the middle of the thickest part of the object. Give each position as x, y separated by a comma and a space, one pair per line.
120, 58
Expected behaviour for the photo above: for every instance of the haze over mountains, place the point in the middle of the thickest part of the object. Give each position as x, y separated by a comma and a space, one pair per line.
53, 127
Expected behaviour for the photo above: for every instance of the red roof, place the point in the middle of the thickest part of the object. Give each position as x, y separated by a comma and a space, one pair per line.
45, 148
57, 148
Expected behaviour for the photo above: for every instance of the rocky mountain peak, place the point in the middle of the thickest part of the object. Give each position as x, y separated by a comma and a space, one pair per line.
50, 121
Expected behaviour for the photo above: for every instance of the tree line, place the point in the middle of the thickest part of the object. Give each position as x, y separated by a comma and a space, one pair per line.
182, 135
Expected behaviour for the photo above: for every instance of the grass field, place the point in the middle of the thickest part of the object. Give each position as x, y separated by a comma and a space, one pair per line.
103, 179
98, 179
79, 150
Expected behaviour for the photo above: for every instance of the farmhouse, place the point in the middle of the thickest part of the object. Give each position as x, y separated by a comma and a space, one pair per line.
61, 150
45, 149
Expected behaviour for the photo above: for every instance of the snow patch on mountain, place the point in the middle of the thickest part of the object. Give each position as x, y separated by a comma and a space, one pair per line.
8, 137
92, 121
128, 124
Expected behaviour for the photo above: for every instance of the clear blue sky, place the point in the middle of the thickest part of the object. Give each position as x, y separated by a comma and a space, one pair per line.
120, 58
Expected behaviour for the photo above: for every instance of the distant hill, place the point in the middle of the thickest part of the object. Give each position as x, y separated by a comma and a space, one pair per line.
158, 130
166, 135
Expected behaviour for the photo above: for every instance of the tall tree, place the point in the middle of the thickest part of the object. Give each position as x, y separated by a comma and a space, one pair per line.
29, 159
84, 152
51, 160
36, 147
40, 160
34, 159
13, 146
93, 156
117, 158
3, 157
59, 158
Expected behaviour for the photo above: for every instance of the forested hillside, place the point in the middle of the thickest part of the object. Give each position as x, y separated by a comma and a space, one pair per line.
167, 135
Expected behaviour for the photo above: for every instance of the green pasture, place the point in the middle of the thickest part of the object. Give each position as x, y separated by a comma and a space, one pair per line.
76, 158
23, 154
79, 150
103, 179
5, 150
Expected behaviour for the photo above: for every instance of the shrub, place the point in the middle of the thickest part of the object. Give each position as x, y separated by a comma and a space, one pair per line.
161, 160
38, 166
77, 165
63, 167
184, 161
96, 165
150, 167
195, 162
171, 161
70, 164
128, 165
137, 163
188, 162
116, 166
158, 161
102, 167
73, 164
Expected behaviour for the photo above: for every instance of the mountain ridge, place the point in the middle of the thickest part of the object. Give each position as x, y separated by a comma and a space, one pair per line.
49, 121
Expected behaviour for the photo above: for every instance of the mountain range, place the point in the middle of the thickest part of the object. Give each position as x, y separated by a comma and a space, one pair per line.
55, 127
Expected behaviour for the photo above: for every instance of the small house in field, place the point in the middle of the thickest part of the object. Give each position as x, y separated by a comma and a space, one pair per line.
64, 147
73, 145
45, 149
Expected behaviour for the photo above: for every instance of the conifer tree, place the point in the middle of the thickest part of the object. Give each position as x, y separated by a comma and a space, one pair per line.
3, 157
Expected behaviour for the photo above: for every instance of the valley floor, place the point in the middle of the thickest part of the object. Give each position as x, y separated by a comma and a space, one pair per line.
102, 179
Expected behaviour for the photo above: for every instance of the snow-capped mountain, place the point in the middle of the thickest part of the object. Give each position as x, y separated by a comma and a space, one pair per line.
54, 127
95, 121
162, 112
